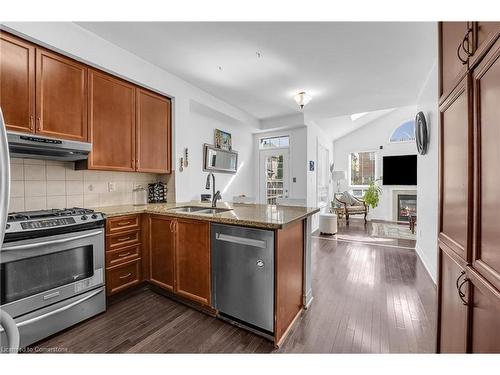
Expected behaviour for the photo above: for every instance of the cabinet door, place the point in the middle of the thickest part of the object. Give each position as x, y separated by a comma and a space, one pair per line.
486, 32
61, 97
486, 83
161, 248
112, 123
452, 69
456, 170
452, 311
153, 132
485, 316
192, 260
17, 83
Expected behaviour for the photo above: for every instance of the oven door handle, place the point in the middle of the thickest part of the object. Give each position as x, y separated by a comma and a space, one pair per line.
54, 242
50, 313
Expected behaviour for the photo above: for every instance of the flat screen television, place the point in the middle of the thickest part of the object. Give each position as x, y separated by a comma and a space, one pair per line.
399, 170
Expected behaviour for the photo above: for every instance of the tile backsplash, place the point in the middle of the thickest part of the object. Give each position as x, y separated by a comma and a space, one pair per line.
39, 184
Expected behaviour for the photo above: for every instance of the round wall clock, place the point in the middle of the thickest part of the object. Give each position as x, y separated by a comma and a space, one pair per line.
421, 133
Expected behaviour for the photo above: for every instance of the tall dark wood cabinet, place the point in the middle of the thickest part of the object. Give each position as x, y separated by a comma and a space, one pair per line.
469, 254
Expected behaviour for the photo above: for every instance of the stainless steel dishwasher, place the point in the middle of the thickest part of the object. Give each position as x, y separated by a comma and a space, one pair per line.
243, 274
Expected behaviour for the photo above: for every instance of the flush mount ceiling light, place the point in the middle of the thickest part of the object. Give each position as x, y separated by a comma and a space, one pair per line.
302, 99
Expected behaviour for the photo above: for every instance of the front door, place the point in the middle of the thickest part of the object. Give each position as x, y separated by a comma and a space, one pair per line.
274, 176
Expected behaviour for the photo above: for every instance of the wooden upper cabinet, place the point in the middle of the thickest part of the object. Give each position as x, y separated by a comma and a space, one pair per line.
453, 313
456, 170
17, 83
192, 260
452, 69
111, 122
486, 84
61, 97
484, 316
161, 251
153, 132
486, 32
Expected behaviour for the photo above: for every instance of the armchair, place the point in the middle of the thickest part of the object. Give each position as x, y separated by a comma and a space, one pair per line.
351, 205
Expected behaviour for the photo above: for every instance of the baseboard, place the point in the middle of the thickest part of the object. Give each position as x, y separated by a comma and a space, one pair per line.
425, 262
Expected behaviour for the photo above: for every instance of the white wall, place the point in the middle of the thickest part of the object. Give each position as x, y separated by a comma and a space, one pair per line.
428, 194
369, 138
190, 130
315, 136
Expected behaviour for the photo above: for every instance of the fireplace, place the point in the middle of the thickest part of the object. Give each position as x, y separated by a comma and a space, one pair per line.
407, 205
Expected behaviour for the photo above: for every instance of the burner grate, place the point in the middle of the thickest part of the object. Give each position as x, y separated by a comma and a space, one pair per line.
30, 215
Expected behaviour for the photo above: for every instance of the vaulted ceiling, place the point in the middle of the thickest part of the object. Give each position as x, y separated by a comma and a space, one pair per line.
347, 67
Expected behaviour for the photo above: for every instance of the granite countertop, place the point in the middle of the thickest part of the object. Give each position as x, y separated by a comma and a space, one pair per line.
252, 215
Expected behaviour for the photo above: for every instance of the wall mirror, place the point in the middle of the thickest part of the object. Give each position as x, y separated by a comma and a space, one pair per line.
218, 160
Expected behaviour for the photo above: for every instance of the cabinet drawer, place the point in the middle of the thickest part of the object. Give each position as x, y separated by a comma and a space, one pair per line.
122, 223
122, 255
123, 276
121, 240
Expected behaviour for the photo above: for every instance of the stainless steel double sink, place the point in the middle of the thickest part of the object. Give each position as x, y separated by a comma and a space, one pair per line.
200, 210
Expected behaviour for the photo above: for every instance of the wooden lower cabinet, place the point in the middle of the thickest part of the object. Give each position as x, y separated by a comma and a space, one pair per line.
192, 260
179, 257
161, 251
123, 276
123, 253
289, 268
484, 303
453, 313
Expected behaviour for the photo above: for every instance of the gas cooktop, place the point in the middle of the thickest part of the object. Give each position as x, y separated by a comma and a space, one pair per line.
19, 222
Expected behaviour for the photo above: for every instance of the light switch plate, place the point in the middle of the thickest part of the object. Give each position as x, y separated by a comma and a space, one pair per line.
111, 187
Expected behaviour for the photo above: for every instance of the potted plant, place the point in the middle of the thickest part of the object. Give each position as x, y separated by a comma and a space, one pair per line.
372, 194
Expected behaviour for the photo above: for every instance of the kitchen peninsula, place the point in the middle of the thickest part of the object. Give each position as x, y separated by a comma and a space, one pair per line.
174, 246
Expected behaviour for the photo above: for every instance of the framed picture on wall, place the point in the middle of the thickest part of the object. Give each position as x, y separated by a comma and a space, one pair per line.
223, 140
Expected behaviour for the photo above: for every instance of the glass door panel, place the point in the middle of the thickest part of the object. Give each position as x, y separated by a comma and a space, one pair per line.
274, 175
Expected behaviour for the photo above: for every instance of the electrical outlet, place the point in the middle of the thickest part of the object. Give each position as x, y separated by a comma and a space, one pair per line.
111, 187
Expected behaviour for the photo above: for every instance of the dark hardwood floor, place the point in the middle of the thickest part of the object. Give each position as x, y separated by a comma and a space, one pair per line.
368, 298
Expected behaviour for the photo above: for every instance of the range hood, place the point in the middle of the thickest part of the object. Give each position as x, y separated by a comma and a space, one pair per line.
37, 147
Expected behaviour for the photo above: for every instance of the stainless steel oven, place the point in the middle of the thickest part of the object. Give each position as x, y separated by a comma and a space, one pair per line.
52, 280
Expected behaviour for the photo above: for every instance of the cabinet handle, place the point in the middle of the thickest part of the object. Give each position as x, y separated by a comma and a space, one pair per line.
466, 41
459, 56
171, 227
122, 223
125, 276
39, 124
124, 254
458, 279
32, 120
123, 239
462, 294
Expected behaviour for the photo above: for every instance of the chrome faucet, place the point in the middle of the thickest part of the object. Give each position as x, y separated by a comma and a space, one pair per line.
215, 195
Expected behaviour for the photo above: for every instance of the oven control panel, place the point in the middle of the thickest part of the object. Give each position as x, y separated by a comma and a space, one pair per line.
39, 225
50, 223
